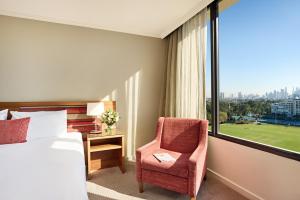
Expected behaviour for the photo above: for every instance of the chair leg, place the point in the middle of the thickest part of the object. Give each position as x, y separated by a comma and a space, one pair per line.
141, 187
193, 198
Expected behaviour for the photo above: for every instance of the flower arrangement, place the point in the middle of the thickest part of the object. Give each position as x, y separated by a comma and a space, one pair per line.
109, 117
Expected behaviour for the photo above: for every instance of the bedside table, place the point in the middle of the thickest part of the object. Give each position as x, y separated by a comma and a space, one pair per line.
105, 150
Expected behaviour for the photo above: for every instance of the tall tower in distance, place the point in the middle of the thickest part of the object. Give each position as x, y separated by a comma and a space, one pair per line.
240, 95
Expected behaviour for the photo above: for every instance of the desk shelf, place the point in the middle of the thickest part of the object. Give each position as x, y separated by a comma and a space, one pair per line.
104, 147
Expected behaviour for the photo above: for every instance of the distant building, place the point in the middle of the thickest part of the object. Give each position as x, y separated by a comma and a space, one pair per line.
290, 107
277, 94
240, 95
296, 93
297, 107
222, 95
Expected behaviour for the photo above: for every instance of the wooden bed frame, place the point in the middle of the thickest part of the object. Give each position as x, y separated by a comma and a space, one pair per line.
77, 118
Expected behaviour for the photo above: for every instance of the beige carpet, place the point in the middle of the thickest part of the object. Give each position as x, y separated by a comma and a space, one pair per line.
111, 184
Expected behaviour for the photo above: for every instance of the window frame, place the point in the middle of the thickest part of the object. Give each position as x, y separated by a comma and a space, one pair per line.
214, 42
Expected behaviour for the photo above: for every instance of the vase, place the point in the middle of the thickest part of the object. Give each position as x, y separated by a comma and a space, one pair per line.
108, 129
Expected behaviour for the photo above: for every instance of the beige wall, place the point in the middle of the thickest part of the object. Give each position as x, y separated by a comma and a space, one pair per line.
256, 174
42, 61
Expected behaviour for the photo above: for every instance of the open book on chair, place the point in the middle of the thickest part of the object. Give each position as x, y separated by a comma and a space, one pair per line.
163, 157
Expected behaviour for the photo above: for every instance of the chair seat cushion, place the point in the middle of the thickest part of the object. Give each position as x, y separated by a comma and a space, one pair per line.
179, 167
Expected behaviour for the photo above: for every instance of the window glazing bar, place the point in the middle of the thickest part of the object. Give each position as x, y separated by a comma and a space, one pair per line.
214, 65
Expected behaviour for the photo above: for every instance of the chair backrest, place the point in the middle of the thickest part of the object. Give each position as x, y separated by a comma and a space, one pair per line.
180, 135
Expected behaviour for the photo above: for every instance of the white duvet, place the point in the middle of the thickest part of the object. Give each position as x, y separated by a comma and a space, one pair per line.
43, 169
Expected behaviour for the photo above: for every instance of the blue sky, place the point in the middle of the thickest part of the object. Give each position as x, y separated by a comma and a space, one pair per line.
259, 46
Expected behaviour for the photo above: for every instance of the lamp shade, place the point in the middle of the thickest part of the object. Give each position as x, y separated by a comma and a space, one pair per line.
95, 109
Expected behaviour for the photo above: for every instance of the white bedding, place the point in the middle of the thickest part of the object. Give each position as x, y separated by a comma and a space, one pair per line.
43, 169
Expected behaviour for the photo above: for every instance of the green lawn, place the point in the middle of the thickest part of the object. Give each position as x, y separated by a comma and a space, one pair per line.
286, 137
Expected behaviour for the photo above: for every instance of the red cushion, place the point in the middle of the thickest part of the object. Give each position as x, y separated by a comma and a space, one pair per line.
180, 135
13, 131
176, 168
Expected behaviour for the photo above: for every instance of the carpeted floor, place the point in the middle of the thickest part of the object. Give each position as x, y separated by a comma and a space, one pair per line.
111, 184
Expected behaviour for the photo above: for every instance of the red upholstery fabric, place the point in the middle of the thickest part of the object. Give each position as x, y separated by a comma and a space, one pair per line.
166, 181
147, 149
197, 161
180, 135
13, 131
177, 168
186, 141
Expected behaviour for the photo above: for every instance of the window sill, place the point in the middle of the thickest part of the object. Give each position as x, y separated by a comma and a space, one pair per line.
262, 147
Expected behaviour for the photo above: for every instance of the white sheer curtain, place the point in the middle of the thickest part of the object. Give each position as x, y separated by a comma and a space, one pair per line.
185, 74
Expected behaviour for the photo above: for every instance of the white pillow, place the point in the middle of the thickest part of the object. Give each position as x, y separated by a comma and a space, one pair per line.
3, 114
44, 123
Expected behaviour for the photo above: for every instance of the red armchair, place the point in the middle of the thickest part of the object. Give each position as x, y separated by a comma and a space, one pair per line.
186, 141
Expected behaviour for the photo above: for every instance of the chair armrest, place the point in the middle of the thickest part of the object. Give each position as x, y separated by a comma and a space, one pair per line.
143, 152
146, 150
197, 162
197, 159
197, 169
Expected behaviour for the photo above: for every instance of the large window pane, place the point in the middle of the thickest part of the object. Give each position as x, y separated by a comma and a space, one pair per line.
259, 72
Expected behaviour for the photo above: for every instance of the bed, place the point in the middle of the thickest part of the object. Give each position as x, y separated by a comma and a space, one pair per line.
48, 168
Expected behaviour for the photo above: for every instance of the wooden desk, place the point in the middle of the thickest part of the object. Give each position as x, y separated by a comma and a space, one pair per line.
105, 150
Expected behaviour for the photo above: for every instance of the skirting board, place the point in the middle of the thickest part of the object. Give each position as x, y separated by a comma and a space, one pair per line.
243, 191
129, 162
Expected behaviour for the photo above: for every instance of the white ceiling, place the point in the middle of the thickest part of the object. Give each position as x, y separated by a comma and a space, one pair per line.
155, 18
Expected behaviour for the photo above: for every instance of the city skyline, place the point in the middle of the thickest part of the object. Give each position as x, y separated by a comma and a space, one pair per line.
281, 93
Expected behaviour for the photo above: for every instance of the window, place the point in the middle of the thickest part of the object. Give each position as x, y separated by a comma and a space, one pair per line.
258, 69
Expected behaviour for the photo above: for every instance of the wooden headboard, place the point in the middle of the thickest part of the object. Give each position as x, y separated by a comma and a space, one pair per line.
77, 118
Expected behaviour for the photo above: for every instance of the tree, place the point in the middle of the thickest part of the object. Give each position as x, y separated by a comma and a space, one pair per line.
208, 117
223, 117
